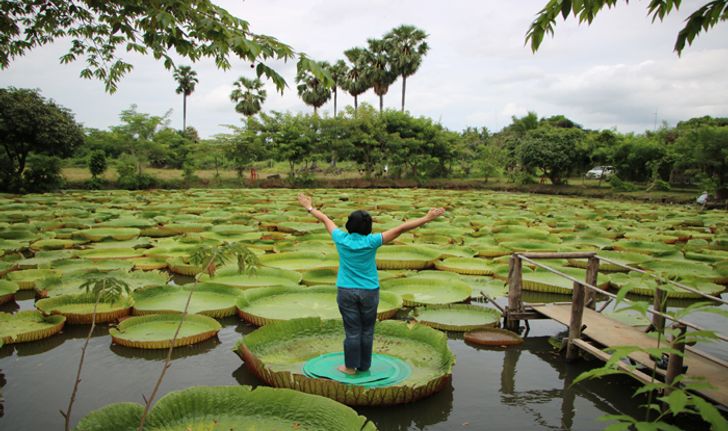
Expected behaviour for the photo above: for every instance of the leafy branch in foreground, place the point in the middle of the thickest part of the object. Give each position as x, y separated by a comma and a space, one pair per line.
102, 288
702, 19
210, 258
98, 30
678, 397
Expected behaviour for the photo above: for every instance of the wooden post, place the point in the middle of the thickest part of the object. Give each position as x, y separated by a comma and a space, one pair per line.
515, 301
592, 271
658, 322
675, 363
577, 312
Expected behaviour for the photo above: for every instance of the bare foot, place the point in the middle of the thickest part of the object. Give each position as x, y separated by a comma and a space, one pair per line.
345, 370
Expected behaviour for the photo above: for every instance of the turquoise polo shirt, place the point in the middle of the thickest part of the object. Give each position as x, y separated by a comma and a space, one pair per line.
357, 267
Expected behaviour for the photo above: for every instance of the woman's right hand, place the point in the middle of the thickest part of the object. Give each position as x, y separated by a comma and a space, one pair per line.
305, 201
434, 213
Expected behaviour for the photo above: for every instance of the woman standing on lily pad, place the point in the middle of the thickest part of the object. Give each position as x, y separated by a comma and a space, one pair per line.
357, 279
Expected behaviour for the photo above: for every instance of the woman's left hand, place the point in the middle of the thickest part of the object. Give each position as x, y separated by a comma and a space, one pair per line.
305, 201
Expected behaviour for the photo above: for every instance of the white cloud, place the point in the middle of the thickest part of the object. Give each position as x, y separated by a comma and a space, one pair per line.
617, 72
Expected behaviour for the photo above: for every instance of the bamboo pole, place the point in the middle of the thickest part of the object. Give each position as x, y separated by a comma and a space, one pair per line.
675, 363
577, 312
658, 303
592, 272
515, 300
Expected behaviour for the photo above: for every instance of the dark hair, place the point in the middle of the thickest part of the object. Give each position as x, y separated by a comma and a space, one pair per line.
359, 222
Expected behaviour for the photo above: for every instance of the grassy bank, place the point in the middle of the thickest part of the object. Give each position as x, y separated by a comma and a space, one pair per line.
77, 178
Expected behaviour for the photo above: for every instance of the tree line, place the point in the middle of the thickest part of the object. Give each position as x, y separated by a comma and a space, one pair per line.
35, 134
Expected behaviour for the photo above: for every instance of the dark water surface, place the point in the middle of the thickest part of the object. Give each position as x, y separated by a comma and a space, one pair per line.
522, 388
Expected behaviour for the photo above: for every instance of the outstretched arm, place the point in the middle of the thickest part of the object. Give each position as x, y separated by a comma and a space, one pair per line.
305, 202
393, 233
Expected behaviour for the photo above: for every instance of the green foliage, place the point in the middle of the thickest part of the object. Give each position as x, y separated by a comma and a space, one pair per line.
635, 156
248, 96
188, 171
357, 79
407, 47
43, 174
97, 163
96, 30
676, 398
554, 150
128, 176
702, 19
620, 185
31, 124
703, 149
311, 89
378, 68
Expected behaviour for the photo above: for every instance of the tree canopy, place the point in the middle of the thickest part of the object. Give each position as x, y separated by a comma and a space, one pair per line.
31, 124
99, 29
702, 19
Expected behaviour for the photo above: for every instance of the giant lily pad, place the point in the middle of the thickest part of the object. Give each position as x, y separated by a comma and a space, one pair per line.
27, 278
156, 331
300, 261
262, 277
642, 284
425, 291
209, 299
272, 304
406, 257
541, 280
277, 352
78, 309
457, 317
7, 291
100, 234
465, 265
28, 325
229, 408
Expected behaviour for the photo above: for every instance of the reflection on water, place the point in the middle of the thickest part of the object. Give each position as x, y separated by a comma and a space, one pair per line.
419, 415
522, 387
2, 400
158, 355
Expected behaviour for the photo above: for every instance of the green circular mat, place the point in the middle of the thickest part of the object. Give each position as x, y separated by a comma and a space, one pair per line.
385, 370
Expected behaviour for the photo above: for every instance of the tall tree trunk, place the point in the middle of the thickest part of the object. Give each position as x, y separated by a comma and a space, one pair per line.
404, 85
335, 93
315, 111
356, 104
381, 103
184, 112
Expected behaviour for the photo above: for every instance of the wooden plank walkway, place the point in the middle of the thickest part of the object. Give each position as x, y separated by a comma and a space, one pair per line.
610, 333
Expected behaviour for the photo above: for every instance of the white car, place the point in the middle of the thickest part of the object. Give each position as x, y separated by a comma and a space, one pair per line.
601, 172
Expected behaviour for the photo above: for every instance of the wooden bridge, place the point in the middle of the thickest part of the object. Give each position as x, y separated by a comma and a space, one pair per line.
593, 333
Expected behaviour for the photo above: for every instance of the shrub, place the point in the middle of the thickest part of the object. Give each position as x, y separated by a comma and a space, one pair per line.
188, 171
660, 186
97, 163
43, 174
619, 185
129, 178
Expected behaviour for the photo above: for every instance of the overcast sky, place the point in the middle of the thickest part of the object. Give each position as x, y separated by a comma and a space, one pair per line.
620, 72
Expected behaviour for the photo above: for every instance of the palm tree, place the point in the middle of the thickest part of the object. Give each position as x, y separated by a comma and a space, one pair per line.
313, 91
248, 95
338, 73
187, 79
378, 61
408, 46
356, 81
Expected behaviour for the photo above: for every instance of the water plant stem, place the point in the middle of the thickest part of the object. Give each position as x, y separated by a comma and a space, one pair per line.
67, 414
168, 360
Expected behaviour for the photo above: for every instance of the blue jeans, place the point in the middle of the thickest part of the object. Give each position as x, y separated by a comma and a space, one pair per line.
358, 308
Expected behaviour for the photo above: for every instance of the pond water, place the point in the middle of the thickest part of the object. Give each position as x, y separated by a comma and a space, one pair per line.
524, 387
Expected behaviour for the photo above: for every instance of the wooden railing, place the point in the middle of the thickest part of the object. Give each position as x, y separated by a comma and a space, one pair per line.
584, 295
